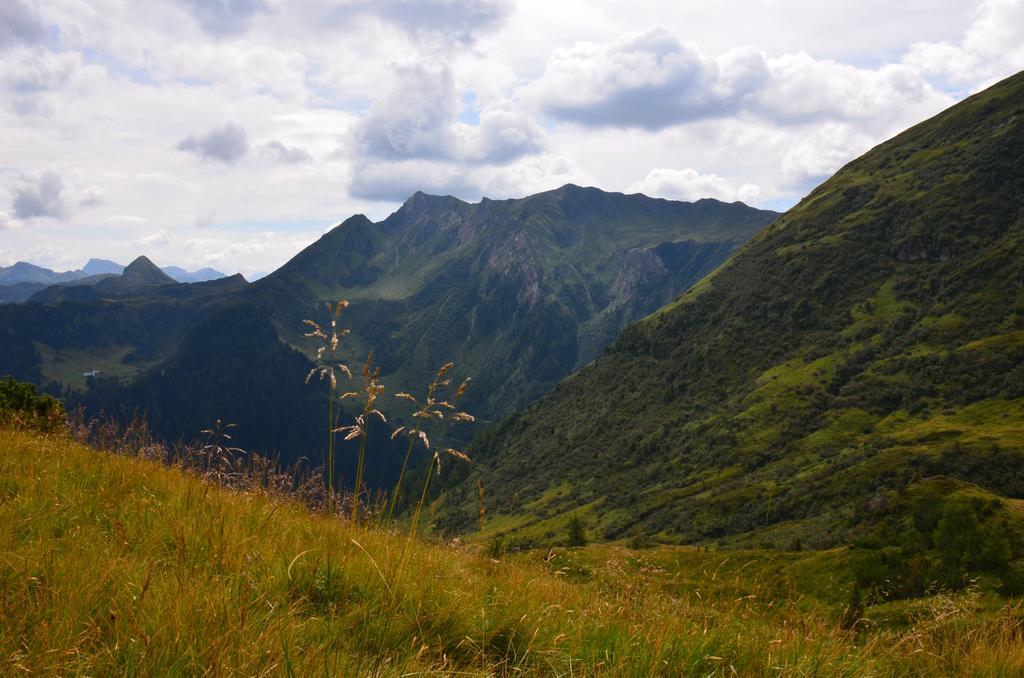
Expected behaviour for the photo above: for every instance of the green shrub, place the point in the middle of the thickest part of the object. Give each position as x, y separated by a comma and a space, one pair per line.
22, 405
946, 544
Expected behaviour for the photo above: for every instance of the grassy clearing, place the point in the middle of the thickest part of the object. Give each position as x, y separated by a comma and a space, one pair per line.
115, 566
67, 366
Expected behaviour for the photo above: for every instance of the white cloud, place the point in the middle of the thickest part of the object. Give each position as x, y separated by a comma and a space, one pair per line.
991, 48
442, 24
418, 119
396, 181
227, 143
255, 251
647, 79
804, 89
34, 79
278, 152
652, 80
688, 184
46, 256
28, 71
225, 17
530, 174
412, 140
459, 20
821, 153
159, 239
503, 134
40, 196
240, 66
19, 23
91, 197
414, 120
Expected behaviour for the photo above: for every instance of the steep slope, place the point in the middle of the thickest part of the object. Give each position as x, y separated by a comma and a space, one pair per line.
870, 337
517, 292
142, 271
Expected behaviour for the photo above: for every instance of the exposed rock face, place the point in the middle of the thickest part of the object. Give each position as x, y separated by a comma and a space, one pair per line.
641, 268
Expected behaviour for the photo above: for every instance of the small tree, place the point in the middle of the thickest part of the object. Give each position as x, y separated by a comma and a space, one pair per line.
577, 535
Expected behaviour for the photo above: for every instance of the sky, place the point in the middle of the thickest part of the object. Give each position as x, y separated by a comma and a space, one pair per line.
233, 133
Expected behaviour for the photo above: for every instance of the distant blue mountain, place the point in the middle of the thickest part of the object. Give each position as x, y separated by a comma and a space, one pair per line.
24, 272
101, 266
202, 275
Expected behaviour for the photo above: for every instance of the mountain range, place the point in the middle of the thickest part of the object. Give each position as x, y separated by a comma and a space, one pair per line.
21, 280
518, 293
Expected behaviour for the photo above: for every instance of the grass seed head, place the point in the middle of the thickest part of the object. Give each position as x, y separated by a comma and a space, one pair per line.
455, 453
462, 388
326, 352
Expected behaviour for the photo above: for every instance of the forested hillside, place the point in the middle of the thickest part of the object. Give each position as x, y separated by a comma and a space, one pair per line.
862, 356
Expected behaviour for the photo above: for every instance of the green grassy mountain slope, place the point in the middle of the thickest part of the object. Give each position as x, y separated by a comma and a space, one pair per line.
870, 338
517, 292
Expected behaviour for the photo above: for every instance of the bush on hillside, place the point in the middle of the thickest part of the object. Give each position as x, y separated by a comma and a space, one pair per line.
948, 544
23, 406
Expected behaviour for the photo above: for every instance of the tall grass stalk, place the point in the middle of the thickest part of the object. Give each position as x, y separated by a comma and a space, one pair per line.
401, 474
372, 389
328, 367
330, 451
431, 409
424, 413
448, 413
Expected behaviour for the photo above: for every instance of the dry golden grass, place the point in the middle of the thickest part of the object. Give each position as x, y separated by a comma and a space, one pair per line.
111, 565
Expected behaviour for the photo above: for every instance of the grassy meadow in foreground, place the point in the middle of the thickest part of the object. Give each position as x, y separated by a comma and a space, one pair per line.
120, 566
